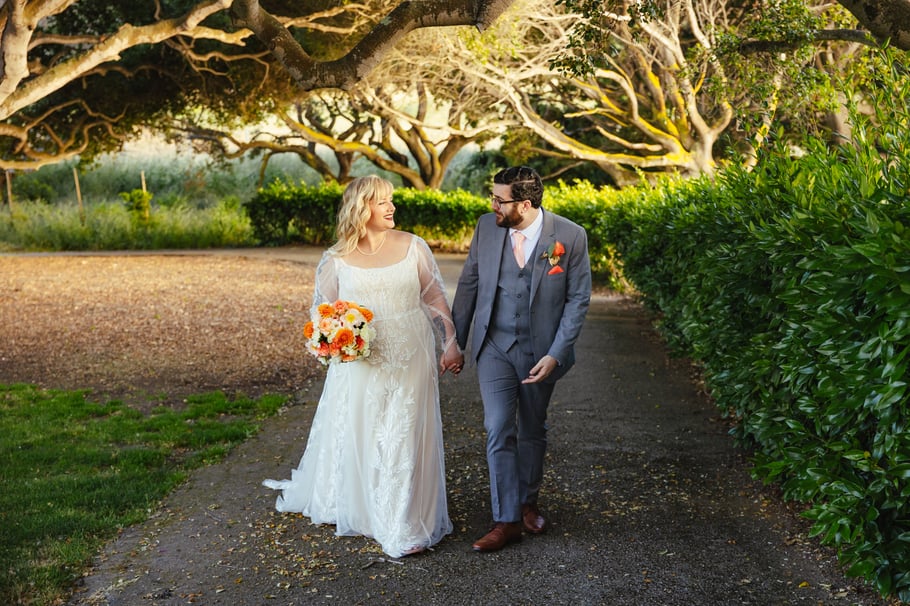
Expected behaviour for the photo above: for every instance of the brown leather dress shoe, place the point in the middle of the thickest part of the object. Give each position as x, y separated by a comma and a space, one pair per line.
502, 534
532, 520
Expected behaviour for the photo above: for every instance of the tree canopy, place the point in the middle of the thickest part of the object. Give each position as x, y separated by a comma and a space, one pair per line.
410, 116
884, 19
80, 76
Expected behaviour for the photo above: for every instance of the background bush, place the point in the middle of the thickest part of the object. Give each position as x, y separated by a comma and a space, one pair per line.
284, 213
791, 286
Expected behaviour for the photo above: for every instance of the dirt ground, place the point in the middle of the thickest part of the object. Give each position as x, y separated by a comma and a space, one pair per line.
151, 328
649, 502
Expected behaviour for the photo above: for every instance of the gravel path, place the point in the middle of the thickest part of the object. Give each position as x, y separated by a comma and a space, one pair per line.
649, 501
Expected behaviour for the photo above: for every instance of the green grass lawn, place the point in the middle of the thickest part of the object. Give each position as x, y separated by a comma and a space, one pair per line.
74, 471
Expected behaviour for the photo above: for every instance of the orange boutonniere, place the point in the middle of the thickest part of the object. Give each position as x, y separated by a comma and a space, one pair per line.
553, 254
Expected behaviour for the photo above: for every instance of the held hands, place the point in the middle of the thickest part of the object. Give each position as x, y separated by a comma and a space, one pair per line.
451, 360
541, 370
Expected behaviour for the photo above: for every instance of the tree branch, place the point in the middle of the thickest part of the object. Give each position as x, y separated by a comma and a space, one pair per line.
822, 35
16, 94
885, 19
345, 72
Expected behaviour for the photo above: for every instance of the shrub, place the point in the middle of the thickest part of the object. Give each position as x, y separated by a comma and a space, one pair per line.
445, 220
791, 285
587, 205
139, 203
283, 213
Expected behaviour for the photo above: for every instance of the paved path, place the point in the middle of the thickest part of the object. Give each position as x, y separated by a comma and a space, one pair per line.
650, 504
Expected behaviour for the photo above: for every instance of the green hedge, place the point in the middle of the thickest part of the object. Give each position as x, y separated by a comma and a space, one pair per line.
791, 285
444, 219
585, 204
284, 213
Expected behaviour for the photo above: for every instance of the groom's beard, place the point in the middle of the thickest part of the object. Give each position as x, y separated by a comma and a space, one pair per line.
508, 220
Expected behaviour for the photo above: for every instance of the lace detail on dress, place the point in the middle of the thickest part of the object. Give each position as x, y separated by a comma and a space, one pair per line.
390, 460
390, 346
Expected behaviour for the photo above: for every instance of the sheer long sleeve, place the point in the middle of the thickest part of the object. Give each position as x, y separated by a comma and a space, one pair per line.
433, 297
326, 282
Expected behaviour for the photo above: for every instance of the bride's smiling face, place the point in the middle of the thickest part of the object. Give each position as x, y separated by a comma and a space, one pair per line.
382, 213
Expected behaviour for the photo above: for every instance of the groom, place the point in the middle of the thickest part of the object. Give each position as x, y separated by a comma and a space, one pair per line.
526, 285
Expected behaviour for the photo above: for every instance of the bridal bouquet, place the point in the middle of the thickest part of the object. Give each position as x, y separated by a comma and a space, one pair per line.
339, 332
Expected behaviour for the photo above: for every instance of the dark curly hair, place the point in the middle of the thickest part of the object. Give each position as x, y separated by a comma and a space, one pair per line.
525, 182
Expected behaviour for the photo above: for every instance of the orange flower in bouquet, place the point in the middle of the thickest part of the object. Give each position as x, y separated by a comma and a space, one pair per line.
339, 332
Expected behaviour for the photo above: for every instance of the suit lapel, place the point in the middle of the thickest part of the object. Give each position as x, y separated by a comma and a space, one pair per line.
490, 271
540, 265
501, 242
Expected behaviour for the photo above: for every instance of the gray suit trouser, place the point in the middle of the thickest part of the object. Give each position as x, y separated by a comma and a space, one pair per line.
515, 418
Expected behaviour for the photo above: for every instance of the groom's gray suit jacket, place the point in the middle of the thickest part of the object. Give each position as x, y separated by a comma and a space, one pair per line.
558, 302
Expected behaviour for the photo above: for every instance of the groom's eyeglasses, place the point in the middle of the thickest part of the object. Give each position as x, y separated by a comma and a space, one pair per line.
496, 201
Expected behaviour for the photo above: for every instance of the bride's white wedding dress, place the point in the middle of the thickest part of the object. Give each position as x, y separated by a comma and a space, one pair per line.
373, 463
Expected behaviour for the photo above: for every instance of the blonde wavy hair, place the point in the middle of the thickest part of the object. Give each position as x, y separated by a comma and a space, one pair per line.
354, 211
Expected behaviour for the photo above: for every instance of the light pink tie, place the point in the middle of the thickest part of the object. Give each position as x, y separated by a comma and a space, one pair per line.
518, 247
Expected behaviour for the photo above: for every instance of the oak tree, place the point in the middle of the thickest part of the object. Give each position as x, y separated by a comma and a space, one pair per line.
80, 76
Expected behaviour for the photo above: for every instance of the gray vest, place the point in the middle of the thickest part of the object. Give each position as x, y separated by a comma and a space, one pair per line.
511, 319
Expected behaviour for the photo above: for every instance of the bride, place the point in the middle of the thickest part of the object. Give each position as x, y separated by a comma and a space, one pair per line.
373, 464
